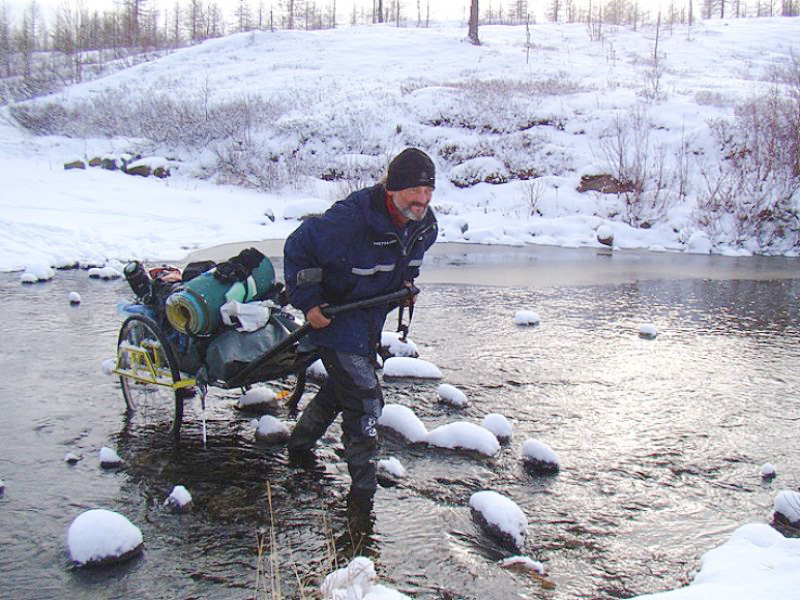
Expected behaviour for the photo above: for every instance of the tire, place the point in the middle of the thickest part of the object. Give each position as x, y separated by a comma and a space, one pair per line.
149, 401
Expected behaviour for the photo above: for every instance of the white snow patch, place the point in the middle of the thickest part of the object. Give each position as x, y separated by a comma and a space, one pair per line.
523, 562
501, 512
179, 497
526, 317
452, 395
648, 331
402, 420
108, 458
272, 430
397, 347
787, 503
257, 397
100, 535
499, 425
467, 436
392, 466
403, 366
539, 452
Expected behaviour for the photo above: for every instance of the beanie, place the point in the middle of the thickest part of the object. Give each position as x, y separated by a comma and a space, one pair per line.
410, 168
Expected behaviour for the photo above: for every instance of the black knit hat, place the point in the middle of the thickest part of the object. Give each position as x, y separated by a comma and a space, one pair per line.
411, 168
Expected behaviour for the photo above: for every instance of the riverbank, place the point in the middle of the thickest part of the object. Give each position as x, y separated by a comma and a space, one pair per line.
547, 266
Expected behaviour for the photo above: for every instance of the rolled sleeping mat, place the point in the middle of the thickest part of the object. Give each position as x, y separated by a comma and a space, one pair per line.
194, 307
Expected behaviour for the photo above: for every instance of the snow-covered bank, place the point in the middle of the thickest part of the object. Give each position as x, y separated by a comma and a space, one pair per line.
512, 138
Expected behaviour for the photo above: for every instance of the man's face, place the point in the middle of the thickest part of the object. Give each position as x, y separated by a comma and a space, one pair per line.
413, 202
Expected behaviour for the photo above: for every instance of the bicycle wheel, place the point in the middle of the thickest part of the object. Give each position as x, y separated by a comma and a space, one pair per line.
149, 371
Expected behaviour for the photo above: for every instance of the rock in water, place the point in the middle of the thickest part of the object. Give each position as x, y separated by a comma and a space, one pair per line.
102, 537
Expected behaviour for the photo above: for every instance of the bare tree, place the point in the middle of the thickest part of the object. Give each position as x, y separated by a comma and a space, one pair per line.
473, 23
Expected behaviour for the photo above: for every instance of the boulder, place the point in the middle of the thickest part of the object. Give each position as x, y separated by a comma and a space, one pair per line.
606, 184
102, 537
75, 164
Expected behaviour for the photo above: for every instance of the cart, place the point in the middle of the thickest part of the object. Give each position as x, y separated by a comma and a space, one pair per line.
159, 368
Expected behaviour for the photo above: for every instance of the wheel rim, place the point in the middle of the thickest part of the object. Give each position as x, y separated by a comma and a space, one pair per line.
148, 402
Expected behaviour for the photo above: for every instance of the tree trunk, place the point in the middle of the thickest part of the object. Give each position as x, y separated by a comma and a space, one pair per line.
473, 23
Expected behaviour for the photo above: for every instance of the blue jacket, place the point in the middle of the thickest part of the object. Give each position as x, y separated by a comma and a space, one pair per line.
351, 252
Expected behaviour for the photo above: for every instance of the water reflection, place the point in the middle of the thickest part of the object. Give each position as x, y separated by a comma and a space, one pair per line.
660, 440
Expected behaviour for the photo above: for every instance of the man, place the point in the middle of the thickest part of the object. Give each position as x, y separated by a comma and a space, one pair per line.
368, 244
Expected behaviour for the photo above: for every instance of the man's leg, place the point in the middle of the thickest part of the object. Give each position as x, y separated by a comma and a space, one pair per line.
315, 420
360, 398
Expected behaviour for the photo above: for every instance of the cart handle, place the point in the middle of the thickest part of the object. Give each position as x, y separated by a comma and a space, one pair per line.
329, 311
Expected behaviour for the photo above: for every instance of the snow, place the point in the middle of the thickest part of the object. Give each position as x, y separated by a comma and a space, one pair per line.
271, 430
501, 512
526, 317
523, 562
756, 562
452, 395
405, 366
257, 397
108, 366
179, 497
392, 466
648, 331
396, 347
357, 581
98, 535
767, 471
108, 458
402, 420
466, 436
499, 425
787, 503
395, 97
74, 298
71, 458
536, 451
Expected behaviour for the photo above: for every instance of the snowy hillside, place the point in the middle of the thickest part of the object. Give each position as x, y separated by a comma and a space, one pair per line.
513, 126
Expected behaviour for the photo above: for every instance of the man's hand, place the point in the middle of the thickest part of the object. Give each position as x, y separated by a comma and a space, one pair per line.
411, 299
316, 319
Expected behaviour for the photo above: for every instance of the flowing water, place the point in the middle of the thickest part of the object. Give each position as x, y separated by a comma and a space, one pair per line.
661, 443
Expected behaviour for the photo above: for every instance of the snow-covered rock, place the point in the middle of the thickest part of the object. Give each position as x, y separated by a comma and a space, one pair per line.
464, 436
449, 394
648, 331
787, 507
539, 457
258, 399
392, 345
106, 273
74, 298
392, 466
2, 487
500, 517
108, 366
37, 272
767, 471
522, 563
526, 317
71, 458
403, 366
403, 421
605, 235
179, 499
499, 425
357, 581
271, 430
101, 537
108, 458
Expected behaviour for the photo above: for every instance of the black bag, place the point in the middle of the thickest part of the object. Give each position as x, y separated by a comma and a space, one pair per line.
193, 269
230, 351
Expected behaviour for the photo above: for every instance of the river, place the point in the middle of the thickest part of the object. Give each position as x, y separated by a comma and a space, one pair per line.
661, 441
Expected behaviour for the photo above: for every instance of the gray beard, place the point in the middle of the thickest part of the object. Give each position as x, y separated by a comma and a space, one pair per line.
406, 212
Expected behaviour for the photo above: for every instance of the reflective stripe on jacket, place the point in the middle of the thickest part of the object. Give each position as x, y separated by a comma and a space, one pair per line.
361, 254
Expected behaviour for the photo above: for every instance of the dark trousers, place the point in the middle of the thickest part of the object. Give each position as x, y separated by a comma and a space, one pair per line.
352, 389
